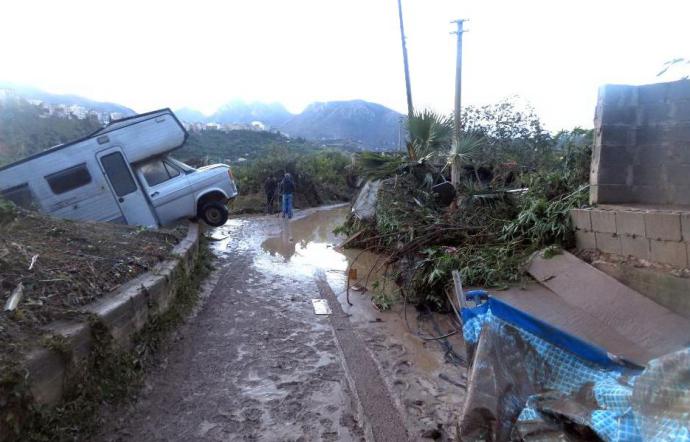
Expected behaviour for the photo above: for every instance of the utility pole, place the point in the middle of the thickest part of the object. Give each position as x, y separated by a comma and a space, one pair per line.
410, 109
457, 125
458, 78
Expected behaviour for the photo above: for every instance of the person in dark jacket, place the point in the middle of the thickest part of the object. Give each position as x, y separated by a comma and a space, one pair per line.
287, 187
270, 186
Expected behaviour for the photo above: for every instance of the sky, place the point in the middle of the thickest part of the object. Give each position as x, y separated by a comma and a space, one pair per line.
148, 54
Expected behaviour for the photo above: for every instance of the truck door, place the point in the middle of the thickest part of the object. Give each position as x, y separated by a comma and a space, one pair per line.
134, 205
168, 188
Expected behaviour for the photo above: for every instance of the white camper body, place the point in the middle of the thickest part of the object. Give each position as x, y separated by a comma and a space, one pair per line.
121, 173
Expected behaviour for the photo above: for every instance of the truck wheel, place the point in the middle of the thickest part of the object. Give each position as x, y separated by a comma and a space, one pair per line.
214, 214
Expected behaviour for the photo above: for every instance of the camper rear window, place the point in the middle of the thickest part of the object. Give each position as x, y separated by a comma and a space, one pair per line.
20, 195
69, 179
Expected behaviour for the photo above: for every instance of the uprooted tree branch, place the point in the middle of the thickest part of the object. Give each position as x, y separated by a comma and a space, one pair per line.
518, 184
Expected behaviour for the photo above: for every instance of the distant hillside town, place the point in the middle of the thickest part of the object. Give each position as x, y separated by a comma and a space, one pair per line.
256, 126
61, 110
350, 125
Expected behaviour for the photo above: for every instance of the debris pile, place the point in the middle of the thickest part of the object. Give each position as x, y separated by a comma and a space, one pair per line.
487, 237
487, 231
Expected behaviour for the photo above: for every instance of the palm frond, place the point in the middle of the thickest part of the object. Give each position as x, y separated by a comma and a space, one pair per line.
466, 148
429, 133
379, 165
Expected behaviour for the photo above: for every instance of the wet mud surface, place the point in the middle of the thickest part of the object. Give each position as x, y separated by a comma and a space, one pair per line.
256, 363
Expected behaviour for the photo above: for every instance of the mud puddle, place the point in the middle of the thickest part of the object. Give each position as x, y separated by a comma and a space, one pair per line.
423, 374
255, 363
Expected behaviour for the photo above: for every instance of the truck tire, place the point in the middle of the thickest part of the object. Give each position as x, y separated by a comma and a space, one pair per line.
214, 213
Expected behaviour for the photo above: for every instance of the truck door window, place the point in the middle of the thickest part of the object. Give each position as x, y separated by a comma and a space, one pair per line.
69, 179
118, 173
20, 195
157, 171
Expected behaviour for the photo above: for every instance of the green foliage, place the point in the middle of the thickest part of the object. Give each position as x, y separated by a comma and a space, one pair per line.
8, 211
511, 133
430, 133
376, 165
321, 174
215, 146
381, 298
25, 130
492, 231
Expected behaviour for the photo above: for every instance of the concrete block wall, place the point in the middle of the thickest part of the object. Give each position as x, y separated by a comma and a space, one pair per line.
661, 236
123, 313
642, 144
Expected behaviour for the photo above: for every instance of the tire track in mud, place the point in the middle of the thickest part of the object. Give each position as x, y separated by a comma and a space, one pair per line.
255, 363
383, 420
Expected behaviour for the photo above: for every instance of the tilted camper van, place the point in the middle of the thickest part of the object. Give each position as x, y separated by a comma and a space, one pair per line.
122, 173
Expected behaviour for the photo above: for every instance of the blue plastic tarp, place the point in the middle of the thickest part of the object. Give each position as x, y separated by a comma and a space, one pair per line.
529, 380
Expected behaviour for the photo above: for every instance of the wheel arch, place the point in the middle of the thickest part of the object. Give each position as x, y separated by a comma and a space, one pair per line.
208, 196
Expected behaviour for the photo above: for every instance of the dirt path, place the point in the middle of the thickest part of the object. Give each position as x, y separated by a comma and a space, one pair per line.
256, 363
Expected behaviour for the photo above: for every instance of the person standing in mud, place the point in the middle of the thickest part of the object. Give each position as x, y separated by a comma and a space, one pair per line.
270, 186
287, 187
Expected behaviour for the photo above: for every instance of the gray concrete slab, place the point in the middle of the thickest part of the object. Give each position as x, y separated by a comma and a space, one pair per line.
648, 325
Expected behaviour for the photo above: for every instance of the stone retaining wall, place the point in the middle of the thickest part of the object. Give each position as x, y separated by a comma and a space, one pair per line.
123, 314
661, 236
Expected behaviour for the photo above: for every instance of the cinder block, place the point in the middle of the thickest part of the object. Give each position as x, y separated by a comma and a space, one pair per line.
678, 152
630, 223
651, 194
585, 240
662, 226
581, 219
649, 135
685, 226
614, 172
679, 133
654, 113
678, 174
679, 90
616, 136
649, 175
680, 196
603, 220
681, 110
637, 246
608, 242
616, 114
652, 93
617, 94
650, 156
669, 252
611, 193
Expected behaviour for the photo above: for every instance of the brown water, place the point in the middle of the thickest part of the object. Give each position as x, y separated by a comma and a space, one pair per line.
411, 364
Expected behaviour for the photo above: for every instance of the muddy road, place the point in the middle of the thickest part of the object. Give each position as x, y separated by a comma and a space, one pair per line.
254, 362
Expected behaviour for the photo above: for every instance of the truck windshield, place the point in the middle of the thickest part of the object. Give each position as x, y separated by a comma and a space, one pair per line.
181, 165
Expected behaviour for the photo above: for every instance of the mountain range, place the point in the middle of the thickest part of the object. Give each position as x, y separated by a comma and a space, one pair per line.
354, 124
357, 123
32, 93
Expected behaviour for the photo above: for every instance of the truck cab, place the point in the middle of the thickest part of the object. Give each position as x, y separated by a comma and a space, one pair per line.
177, 190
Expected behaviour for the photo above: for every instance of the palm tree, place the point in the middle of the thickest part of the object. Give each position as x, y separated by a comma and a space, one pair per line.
430, 136
462, 151
430, 133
